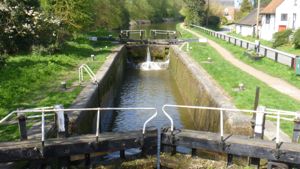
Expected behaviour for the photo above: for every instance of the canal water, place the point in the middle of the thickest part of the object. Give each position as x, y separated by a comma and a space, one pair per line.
148, 89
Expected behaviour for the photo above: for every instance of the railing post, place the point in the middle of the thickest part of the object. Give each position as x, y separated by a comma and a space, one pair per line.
247, 46
276, 56
22, 126
265, 53
241, 43
234, 41
98, 125
293, 63
62, 121
296, 133
258, 131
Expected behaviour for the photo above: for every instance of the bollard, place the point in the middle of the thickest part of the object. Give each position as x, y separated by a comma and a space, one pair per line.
93, 57
296, 133
22, 126
63, 85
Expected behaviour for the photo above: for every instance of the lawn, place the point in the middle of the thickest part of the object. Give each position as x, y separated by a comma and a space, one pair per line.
286, 48
228, 76
29, 81
266, 65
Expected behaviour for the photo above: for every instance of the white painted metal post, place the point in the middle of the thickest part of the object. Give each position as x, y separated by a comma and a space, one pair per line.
222, 125
98, 124
278, 129
43, 127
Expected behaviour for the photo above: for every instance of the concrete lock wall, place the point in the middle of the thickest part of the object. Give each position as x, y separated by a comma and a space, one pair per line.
110, 77
199, 89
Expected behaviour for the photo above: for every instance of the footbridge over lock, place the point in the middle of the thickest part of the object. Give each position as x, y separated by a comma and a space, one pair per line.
64, 146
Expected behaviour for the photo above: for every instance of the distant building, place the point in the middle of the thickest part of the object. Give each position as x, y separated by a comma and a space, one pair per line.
279, 15
247, 25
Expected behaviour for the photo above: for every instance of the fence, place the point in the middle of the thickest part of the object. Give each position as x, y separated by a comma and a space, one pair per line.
276, 55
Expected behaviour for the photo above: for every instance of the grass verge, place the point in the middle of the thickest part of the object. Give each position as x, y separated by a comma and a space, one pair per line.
229, 77
29, 81
266, 65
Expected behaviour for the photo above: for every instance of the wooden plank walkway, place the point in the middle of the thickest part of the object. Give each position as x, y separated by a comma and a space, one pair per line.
83, 144
235, 145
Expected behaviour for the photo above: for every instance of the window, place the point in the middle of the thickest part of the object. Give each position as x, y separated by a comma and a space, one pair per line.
295, 2
284, 17
268, 18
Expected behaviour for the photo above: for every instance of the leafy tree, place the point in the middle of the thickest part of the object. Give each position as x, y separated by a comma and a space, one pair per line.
246, 6
23, 24
75, 14
194, 11
110, 14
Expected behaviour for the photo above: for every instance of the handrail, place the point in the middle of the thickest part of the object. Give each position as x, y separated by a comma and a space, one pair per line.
52, 110
278, 113
89, 72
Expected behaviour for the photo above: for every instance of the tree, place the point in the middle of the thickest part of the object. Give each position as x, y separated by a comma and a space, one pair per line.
75, 14
246, 6
110, 14
23, 24
194, 11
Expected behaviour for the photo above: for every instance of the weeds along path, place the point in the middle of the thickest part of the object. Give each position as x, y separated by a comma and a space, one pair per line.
276, 83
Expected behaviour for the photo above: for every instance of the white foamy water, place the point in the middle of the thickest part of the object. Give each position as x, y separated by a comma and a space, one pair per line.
149, 65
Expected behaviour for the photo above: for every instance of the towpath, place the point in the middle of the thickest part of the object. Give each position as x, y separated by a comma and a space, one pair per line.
276, 83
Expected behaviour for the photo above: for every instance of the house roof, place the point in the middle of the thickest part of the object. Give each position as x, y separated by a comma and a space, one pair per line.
271, 7
249, 19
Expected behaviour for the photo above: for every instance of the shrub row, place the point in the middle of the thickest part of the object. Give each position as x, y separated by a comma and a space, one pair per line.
283, 37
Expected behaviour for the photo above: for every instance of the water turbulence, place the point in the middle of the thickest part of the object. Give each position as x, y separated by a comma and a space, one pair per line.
150, 65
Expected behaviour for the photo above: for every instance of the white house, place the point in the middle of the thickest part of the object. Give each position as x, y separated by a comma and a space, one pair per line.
279, 15
247, 25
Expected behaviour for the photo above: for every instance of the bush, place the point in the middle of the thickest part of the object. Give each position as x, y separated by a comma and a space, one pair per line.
214, 22
42, 50
296, 39
2, 60
281, 38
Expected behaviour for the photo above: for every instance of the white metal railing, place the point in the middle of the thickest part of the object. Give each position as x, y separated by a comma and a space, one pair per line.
221, 35
44, 112
187, 44
88, 71
163, 32
271, 112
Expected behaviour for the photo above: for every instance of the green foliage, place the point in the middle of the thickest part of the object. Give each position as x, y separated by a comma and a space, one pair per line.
33, 80
245, 9
246, 6
194, 11
24, 24
281, 38
296, 39
75, 14
110, 14
214, 22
